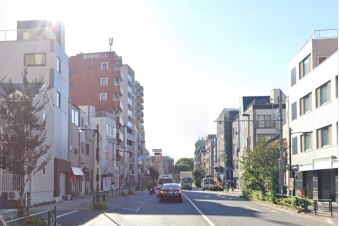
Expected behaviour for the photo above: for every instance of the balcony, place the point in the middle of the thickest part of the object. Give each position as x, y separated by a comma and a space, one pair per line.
129, 124
118, 106
117, 63
131, 102
118, 91
120, 136
130, 78
139, 114
139, 107
131, 114
104, 114
130, 90
27, 34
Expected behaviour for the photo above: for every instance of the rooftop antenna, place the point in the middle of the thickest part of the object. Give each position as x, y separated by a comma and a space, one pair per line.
110, 43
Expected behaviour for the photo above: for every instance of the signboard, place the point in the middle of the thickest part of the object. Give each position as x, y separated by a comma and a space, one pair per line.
156, 150
73, 179
291, 183
106, 182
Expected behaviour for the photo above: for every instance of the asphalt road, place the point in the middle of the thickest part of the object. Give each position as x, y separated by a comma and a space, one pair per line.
202, 208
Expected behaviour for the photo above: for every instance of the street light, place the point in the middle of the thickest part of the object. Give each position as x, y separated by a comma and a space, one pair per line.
97, 151
290, 154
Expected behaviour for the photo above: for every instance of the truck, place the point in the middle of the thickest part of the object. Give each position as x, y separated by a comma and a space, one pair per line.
186, 180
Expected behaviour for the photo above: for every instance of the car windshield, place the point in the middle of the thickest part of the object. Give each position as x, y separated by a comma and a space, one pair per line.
186, 180
171, 186
209, 181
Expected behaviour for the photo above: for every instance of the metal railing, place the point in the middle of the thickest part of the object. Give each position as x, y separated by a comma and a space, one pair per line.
104, 195
51, 217
315, 205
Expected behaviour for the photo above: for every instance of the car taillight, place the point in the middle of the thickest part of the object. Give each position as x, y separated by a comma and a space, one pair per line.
179, 191
163, 192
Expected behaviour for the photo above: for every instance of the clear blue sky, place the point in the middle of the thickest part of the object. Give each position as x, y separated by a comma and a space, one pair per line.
193, 57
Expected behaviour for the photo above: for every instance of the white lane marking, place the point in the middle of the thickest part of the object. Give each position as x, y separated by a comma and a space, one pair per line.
66, 213
140, 207
252, 208
129, 209
208, 221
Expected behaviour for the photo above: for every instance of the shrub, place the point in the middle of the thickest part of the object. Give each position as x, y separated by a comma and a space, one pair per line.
100, 206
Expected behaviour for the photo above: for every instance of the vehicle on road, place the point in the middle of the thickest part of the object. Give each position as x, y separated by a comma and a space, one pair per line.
170, 192
163, 179
151, 191
207, 183
186, 180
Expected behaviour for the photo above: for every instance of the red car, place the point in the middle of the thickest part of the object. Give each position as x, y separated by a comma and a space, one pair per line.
170, 192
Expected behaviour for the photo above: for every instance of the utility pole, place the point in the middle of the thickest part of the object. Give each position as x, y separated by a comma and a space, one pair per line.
281, 171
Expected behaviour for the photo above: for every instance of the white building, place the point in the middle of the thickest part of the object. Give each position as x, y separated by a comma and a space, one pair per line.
313, 115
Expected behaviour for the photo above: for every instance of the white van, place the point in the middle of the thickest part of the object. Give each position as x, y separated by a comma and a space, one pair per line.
164, 179
207, 183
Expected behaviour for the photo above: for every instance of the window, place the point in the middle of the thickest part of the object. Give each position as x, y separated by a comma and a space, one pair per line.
103, 96
116, 81
74, 72
264, 121
87, 149
336, 86
324, 136
304, 67
323, 94
104, 66
57, 99
294, 146
75, 117
306, 143
294, 111
44, 171
75, 151
71, 86
58, 65
305, 104
293, 76
35, 59
104, 81
110, 130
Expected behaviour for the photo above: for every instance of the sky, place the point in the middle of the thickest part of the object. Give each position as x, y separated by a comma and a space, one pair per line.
193, 57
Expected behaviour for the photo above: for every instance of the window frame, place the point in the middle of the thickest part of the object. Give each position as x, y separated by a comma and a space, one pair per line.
58, 65
302, 66
75, 117
319, 94
303, 105
101, 95
306, 142
57, 99
320, 137
102, 66
103, 79
43, 55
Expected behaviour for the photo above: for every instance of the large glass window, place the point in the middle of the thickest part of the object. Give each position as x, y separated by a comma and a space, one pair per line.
304, 67
323, 94
306, 144
264, 121
324, 136
305, 104
35, 59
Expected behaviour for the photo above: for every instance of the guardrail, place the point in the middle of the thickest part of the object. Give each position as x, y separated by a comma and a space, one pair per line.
51, 217
303, 201
103, 195
315, 205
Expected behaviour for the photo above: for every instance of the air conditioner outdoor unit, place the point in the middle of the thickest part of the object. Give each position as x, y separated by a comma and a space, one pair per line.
13, 195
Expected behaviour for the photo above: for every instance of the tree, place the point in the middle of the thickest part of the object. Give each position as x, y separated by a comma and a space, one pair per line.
154, 174
261, 167
23, 131
184, 164
198, 174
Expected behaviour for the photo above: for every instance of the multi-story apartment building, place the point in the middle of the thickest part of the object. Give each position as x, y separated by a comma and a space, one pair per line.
97, 79
224, 143
210, 145
39, 47
198, 153
164, 164
313, 115
258, 120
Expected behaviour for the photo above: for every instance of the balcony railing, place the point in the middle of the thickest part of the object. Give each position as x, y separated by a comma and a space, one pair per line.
27, 34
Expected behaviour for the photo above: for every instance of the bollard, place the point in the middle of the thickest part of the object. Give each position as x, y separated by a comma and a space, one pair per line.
315, 206
330, 207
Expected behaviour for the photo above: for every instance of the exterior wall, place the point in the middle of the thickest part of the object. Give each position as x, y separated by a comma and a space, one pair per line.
57, 131
316, 169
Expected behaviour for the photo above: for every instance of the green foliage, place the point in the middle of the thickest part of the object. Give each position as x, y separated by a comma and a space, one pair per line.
100, 206
184, 164
28, 221
261, 169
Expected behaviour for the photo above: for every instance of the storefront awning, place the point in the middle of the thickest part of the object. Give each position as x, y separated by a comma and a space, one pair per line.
77, 171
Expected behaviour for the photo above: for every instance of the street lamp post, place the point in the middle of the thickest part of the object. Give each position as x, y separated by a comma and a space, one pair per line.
97, 153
